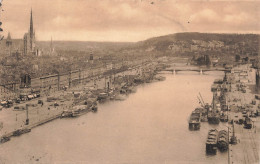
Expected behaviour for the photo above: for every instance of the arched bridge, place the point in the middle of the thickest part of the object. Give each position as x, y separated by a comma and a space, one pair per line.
201, 70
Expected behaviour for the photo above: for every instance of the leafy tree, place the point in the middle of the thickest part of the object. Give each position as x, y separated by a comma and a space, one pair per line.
207, 60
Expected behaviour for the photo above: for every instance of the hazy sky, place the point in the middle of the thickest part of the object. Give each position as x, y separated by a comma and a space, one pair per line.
128, 20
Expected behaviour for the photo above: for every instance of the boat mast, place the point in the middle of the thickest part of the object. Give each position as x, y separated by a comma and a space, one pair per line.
213, 100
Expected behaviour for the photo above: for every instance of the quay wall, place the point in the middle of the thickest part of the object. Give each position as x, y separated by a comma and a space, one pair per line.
10, 134
51, 83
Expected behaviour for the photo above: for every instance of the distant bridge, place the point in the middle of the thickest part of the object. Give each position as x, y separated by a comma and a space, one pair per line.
200, 70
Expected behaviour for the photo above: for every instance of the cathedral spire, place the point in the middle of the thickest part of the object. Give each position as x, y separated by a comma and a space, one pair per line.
9, 40
31, 26
9, 36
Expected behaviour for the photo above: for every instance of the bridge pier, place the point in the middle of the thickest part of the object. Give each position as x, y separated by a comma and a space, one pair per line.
201, 72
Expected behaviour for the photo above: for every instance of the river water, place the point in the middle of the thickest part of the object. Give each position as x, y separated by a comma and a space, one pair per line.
150, 126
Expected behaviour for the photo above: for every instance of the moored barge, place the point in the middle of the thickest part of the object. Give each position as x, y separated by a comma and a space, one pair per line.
223, 140
211, 143
194, 122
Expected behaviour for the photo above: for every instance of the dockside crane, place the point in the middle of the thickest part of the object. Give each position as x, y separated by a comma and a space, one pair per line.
201, 99
201, 103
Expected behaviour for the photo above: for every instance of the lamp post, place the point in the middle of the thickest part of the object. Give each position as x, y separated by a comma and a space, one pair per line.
27, 115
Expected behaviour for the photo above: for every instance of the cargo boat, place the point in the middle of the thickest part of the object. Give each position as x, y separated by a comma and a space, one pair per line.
211, 143
21, 131
4, 139
66, 113
194, 122
213, 118
102, 97
79, 110
223, 140
213, 114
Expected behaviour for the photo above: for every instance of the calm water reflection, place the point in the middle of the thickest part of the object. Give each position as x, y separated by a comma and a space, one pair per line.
151, 126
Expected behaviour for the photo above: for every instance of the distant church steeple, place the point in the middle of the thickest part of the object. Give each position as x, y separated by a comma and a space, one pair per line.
8, 40
29, 39
31, 26
31, 33
9, 36
51, 46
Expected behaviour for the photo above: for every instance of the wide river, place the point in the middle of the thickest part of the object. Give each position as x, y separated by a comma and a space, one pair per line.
150, 126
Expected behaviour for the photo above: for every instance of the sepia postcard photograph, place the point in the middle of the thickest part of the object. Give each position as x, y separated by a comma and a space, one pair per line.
129, 81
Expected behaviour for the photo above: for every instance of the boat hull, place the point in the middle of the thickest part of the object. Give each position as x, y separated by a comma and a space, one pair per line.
194, 126
211, 143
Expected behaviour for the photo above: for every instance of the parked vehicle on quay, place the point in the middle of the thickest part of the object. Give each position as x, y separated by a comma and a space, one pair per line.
244, 113
241, 121
257, 97
30, 97
17, 100
19, 108
50, 99
248, 123
3, 103
40, 102
258, 112
7, 103
23, 97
